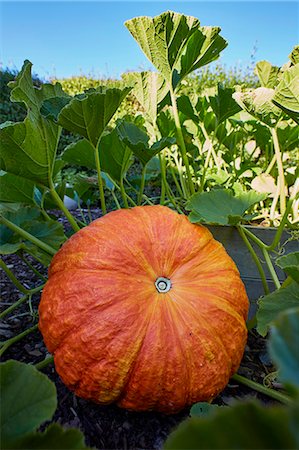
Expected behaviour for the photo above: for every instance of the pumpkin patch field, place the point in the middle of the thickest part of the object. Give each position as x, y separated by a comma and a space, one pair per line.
125, 323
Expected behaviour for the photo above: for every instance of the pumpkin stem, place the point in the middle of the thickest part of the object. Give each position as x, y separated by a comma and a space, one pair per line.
163, 285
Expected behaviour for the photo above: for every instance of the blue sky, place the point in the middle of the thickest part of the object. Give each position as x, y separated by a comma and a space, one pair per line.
68, 38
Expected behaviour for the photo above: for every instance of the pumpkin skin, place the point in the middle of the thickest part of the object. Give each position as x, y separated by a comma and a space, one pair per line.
116, 338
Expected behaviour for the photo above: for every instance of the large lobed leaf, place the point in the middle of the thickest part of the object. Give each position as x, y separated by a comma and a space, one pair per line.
115, 156
149, 89
268, 74
221, 206
28, 149
176, 44
137, 140
87, 114
287, 92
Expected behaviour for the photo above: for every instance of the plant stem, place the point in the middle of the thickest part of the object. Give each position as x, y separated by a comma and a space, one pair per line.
271, 268
115, 199
123, 193
6, 344
254, 256
180, 139
64, 209
44, 363
42, 245
139, 200
13, 306
163, 188
281, 179
12, 278
100, 180
271, 165
211, 147
178, 163
262, 389
34, 270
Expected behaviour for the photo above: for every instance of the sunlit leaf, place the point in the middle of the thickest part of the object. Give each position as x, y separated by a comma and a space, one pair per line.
28, 149
90, 115
149, 89
287, 92
176, 44
259, 103
268, 74
223, 104
137, 140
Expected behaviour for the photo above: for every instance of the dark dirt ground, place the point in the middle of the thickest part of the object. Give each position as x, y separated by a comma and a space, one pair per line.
109, 427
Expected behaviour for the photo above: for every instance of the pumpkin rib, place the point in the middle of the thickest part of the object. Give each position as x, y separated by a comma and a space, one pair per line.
81, 316
130, 368
123, 395
203, 320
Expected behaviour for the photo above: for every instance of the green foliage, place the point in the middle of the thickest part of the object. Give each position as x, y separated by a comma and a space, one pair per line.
29, 147
284, 345
221, 206
271, 305
176, 44
28, 400
290, 264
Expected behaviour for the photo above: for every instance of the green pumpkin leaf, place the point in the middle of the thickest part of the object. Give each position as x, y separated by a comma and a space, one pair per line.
149, 89
259, 103
52, 107
89, 114
28, 149
115, 156
271, 305
176, 44
54, 438
294, 55
268, 74
223, 104
185, 106
31, 220
287, 92
290, 264
242, 426
80, 153
9, 249
137, 140
284, 346
28, 398
221, 206
15, 189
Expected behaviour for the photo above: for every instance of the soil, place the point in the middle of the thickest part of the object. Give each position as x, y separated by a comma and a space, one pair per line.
109, 427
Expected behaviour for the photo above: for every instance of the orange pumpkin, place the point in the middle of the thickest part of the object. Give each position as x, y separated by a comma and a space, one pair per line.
144, 309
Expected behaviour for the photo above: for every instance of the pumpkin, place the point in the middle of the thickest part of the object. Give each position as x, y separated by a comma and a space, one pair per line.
144, 309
